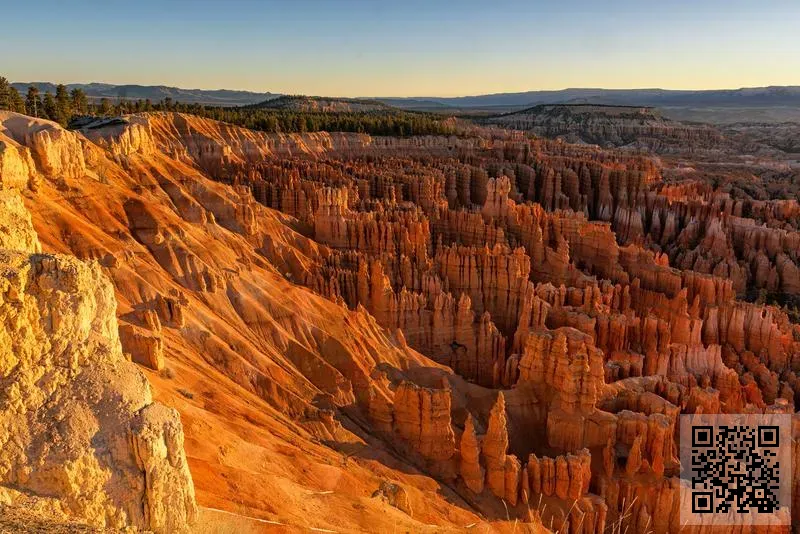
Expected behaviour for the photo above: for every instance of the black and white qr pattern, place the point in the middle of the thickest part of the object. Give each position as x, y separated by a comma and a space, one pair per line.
735, 468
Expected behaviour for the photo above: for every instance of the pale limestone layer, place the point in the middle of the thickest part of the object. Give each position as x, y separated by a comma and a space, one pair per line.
77, 421
16, 228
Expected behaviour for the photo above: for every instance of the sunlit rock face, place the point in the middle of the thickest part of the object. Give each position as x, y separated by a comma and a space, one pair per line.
359, 333
79, 425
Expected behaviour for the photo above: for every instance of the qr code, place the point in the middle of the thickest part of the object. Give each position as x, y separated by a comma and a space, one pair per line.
736, 469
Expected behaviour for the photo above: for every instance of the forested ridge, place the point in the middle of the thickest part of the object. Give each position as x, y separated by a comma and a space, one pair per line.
64, 105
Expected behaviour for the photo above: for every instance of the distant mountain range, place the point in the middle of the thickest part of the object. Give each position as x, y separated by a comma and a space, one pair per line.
662, 98
769, 104
156, 93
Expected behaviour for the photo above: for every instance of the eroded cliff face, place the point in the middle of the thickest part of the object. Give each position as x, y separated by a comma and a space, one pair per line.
532, 268
613, 126
429, 331
273, 396
78, 424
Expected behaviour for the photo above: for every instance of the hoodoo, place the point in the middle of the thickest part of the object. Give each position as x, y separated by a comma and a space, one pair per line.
209, 327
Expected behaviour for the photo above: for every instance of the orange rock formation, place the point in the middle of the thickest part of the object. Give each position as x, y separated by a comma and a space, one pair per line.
367, 333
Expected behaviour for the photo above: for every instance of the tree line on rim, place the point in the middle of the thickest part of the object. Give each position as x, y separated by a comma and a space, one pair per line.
60, 107
66, 105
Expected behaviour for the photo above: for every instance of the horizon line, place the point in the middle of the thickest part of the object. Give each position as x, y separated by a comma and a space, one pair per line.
511, 92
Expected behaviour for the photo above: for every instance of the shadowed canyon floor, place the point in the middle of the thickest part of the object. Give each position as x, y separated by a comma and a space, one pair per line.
373, 334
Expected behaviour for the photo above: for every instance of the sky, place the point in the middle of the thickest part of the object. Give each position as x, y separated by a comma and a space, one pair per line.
403, 48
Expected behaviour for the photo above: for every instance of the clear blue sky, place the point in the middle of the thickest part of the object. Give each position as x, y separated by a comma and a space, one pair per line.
404, 48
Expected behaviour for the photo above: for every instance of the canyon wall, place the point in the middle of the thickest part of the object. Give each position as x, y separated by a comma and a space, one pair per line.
517, 322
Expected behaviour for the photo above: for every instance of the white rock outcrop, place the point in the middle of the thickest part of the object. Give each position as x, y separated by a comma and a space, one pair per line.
77, 420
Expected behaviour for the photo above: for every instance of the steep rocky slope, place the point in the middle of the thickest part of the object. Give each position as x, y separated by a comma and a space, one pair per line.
424, 334
612, 126
206, 306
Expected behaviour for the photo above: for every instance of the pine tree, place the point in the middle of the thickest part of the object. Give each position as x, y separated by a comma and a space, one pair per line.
5, 93
105, 107
50, 107
79, 102
16, 103
63, 105
33, 104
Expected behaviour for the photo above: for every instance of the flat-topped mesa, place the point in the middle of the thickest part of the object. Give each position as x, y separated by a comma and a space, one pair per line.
611, 125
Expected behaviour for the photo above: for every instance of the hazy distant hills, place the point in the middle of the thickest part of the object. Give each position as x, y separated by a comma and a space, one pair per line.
219, 97
748, 97
757, 104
